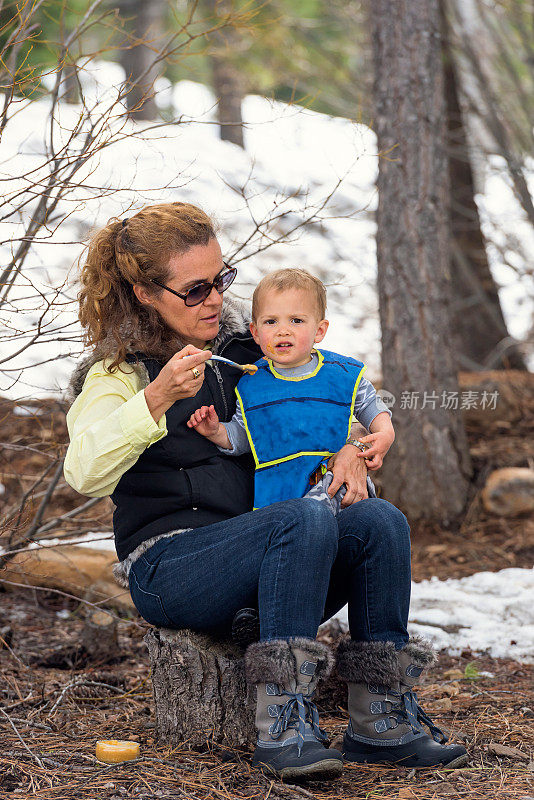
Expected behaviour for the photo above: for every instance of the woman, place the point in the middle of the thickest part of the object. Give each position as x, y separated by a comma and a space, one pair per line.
190, 547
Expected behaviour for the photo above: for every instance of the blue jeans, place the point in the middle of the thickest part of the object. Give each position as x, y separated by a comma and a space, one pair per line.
294, 561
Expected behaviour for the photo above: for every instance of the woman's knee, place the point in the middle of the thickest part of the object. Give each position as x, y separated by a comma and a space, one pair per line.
311, 521
378, 517
393, 516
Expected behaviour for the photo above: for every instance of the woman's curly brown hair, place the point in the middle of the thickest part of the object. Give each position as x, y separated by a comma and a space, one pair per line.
130, 251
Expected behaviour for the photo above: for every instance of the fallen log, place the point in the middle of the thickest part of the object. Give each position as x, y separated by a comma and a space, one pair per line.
509, 492
491, 396
81, 571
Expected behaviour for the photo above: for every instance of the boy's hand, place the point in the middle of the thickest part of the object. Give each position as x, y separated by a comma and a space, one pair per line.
204, 420
380, 443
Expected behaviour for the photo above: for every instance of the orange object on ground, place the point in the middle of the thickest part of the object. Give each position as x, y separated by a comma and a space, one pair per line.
113, 751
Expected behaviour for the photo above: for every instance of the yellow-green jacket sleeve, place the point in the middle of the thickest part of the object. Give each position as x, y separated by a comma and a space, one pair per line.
109, 427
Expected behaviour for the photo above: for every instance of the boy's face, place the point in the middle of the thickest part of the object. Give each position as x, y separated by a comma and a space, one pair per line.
288, 326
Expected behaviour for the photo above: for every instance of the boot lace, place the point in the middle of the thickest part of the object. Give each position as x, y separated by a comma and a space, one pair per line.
408, 710
294, 714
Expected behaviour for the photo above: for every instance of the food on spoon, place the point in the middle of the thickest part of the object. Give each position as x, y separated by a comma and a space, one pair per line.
250, 368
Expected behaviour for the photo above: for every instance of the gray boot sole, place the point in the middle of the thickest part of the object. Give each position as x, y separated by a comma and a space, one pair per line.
321, 770
423, 753
457, 762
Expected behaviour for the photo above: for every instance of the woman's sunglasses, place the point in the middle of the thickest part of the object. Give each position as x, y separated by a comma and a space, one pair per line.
197, 294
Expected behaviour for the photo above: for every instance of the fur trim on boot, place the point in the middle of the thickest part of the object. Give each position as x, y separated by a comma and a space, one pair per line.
420, 652
378, 662
386, 721
290, 742
368, 662
273, 661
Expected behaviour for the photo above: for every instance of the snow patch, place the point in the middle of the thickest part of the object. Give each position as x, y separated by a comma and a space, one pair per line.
294, 159
489, 612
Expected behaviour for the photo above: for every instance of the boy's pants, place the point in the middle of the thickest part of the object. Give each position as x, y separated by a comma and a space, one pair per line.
319, 492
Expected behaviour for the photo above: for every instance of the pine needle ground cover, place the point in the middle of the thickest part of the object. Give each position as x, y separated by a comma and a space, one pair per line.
55, 702
55, 707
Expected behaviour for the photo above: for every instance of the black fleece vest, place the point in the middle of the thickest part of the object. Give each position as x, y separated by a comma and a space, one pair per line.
184, 481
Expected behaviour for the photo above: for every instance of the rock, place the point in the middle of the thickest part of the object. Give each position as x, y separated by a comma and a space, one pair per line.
509, 492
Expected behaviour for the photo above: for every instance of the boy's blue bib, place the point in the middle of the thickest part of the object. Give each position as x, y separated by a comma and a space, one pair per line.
292, 424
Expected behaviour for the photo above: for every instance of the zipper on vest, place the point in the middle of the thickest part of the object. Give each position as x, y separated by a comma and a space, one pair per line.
218, 375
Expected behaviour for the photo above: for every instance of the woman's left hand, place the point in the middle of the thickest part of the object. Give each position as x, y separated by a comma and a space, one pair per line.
350, 470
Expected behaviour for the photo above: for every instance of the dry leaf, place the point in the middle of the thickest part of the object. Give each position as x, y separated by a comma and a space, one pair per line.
406, 794
507, 752
454, 674
445, 704
447, 789
451, 689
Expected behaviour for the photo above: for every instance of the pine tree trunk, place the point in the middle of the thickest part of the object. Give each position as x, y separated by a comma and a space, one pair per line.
200, 690
426, 473
227, 79
138, 54
476, 312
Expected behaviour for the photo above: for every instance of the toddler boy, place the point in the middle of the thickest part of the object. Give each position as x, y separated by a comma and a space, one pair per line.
296, 411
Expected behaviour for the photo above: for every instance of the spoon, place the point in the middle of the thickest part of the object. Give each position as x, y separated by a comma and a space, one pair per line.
250, 368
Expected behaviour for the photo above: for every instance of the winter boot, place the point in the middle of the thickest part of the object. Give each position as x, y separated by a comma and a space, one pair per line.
385, 719
290, 741
246, 627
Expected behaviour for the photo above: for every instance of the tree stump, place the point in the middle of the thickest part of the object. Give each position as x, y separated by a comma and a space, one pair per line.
200, 691
100, 636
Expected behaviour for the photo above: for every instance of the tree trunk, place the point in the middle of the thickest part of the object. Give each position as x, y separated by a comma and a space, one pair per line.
144, 23
228, 83
476, 313
200, 690
427, 473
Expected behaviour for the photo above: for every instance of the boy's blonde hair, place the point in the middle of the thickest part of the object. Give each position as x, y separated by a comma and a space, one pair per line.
282, 279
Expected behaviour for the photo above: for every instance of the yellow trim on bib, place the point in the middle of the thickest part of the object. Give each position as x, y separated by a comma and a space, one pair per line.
294, 455
302, 377
353, 401
249, 437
